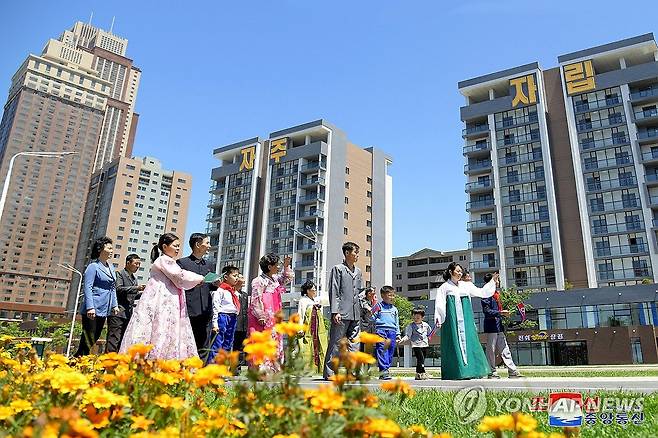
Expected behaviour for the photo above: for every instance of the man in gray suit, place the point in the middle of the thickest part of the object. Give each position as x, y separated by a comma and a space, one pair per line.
127, 291
345, 282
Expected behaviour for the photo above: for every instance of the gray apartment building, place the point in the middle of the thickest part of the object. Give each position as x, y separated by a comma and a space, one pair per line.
562, 169
302, 192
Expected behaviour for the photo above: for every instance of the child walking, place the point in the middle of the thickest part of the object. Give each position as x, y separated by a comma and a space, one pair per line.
387, 325
225, 310
417, 334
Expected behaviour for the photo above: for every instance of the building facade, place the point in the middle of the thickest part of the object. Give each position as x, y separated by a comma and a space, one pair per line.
561, 173
133, 201
301, 192
416, 274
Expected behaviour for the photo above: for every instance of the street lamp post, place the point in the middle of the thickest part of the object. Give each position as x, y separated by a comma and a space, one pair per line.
317, 252
75, 308
5, 187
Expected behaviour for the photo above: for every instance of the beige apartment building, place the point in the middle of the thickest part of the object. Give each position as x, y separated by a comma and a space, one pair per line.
78, 96
133, 201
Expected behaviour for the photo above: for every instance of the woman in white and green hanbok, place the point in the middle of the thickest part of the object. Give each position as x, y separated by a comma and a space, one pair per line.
312, 343
462, 356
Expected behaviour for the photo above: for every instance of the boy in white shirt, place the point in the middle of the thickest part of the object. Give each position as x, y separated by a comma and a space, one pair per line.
225, 310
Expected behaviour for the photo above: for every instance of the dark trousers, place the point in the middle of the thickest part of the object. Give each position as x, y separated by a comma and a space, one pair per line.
346, 329
420, 353
116, 327
201, 328
385, 355
91, 331
224, 336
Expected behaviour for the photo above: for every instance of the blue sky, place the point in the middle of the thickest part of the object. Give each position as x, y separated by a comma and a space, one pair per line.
385, 72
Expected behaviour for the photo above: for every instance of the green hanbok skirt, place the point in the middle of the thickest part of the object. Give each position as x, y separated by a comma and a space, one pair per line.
452, 362
313, 345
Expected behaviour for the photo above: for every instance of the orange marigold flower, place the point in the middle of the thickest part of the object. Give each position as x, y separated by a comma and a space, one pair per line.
289, 329
381, 427
139, 350
294, 318
230, 358
140, 422
292, 435
212, 373
341, 379
99, 419
496, 424
82, 428
361, 358
260, 346
398, 386
166, 401
193, 362
66, 382
56, 360
165, 378
170, 365
102, 398
324, 399
524, 422
21, 405
369, 338
371, 401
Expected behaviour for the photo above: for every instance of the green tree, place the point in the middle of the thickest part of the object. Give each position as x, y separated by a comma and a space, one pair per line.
510, 298
405, 308
13, 329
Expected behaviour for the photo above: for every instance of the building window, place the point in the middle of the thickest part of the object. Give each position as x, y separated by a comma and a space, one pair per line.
347, 200
368, 238
346, 216
347, 171
369, 180
368, 253
369, 209
369, 194
399, 264
347, 184
369, 223
367, 268
345, 231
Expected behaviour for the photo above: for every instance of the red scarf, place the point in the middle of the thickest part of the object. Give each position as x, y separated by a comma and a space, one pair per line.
496, 296
236, 299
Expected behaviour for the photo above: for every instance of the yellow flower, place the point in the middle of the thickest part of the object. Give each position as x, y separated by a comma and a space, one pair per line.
82, 428
165, 378
6, 412
361, 358
23, 345
139, 350
165, 401
381, 427
168, 366
193, 362
341, 379
99, 419
292, 435
417, 429
370, 338
324, 399
398, 386
66, 381
21, 405
140, 422
211, 374
123, 373
260, 346
102, 398
6, 338
525, 422
289, 329
57, 360
495, 424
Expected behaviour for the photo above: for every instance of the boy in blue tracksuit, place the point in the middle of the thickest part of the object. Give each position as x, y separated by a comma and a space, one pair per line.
387, 325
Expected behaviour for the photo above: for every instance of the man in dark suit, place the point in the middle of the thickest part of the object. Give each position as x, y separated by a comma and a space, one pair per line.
492, 308
199, 300
127, 291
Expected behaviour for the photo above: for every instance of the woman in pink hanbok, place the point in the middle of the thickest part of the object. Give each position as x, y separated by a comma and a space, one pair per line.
265, 302
160, 317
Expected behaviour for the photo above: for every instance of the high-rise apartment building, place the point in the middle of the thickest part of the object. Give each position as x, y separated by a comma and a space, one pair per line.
562, 169
133, 201
60, 100
302, 192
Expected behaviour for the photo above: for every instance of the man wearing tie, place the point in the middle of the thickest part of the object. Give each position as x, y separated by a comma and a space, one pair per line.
127, 292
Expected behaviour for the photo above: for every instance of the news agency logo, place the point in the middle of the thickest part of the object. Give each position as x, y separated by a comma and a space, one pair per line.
565, 409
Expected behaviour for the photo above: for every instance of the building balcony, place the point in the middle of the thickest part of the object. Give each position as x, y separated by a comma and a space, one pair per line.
511, 122
621, 250
652, 201
477, 167
311, 198
216, 187
519, 159
594, 165
527, 238
481, 224
278, 187
645, 116
238, 241
279, 172
530, 260
651, 179
518, 139
476, 131
311, 214
283, 202
621, 227
590, 144
598, 206
237, 211
624, 274
236, 226
647, 136
483, 244
213, 217
312, 181
483, 265
232, 256
515, 219
479, 205
650, 157
590, 125
479, 186
520, 178
216, 201
581, 107
312, 167
278, 218
477, 149
532, 282
524, 197
308, 247
643, 96
239, 197
281, 234
305, 264
614, 183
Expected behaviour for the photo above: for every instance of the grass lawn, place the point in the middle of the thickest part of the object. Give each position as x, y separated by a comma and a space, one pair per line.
560, 373
434, 409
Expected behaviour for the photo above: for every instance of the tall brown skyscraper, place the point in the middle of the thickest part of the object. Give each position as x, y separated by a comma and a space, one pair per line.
77, 96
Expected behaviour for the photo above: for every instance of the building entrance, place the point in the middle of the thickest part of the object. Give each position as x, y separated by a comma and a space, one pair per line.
568, 353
